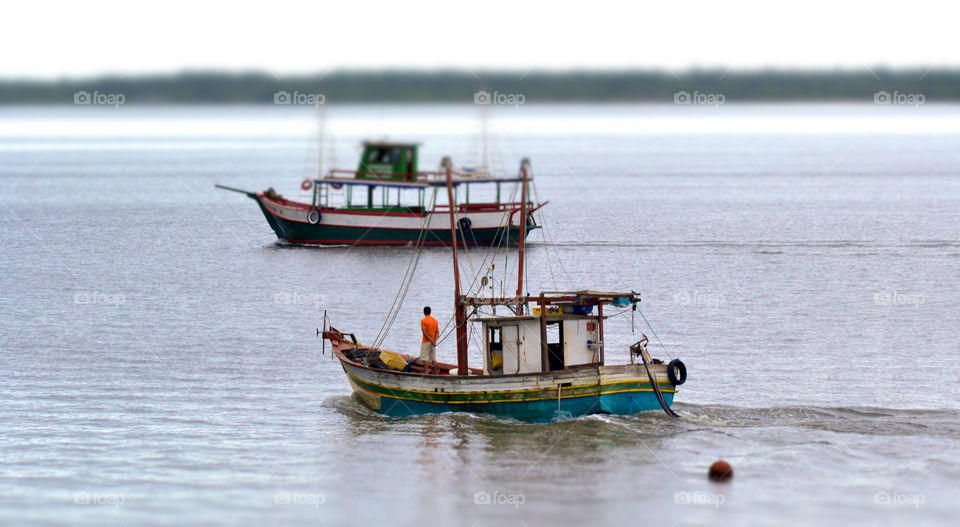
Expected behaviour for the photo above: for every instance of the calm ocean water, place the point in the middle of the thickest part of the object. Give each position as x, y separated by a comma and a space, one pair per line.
158, 360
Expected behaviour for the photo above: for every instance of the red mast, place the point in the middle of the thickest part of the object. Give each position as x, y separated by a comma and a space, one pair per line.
460, 313
523, 228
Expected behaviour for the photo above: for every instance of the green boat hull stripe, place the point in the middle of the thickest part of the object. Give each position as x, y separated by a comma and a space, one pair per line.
520, 396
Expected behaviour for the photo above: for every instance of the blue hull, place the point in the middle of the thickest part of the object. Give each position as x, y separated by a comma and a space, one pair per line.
623, 403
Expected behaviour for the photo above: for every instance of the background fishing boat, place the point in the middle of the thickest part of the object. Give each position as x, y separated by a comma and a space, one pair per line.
388, 201
543, 360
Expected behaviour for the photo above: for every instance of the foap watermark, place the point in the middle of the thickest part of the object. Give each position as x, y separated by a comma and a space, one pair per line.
299, 498
483, 497
897, 98
698, 298
300, 99
699, 498
499, 99
893, 298
96, 298
297, 298
99, 99
96, 498
899, 498
698, 98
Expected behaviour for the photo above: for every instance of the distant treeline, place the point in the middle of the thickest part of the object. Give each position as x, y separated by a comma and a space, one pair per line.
460, 87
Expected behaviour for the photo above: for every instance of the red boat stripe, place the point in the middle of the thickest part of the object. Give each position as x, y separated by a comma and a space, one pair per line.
373, 242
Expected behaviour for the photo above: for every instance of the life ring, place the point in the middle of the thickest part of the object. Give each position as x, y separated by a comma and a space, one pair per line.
465, 224
313, 216
306, 184
673, 368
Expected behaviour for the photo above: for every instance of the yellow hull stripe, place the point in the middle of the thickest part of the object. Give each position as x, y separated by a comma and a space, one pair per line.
359, 383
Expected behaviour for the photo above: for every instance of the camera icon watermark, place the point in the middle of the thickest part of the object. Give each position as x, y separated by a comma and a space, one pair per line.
483, 497
299, 498
699, 498
697, 98
893, 298
697, 298
299, 99
297, 298
96, 498
99, 99
899, 498
897, 98
484, 97
96, 298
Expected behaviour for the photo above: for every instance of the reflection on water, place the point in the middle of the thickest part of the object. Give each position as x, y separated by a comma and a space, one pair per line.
806, 279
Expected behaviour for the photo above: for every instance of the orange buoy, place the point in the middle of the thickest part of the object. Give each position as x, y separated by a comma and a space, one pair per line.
720, 471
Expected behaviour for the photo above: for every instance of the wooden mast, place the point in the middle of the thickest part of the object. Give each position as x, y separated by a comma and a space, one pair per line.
523, 229
460, 313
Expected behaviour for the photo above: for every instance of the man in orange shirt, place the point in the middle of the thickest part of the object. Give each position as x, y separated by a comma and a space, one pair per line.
428, 345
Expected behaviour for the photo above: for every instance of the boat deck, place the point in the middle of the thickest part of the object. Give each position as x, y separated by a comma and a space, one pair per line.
369, 357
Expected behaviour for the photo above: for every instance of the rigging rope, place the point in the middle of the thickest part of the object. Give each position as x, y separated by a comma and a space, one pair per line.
406, 282
503, 243
655, 335
549, 242
546, 249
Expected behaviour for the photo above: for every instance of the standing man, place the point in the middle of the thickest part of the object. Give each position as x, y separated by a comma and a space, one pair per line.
428, 345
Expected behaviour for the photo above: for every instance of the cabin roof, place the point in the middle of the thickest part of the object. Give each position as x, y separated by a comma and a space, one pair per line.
390, 144
558, 298
591, 293
422, 182
550, 317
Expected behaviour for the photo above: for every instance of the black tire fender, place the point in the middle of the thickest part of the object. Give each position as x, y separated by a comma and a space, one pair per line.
677, 372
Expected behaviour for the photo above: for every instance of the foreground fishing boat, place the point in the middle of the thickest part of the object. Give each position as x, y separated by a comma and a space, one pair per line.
371, 209
545, 359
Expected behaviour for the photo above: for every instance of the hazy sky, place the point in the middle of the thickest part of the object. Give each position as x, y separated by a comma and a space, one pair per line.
51, 39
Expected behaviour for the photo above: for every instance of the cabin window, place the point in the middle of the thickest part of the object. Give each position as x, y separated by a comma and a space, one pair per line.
555, 346
388, 156
495, 347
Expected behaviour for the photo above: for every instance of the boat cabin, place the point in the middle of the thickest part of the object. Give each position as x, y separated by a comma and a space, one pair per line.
513, 345
388, 161
562, 331
388, 180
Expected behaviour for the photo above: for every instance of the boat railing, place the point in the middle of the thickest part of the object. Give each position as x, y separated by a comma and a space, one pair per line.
388, 176
424, 177
511, 208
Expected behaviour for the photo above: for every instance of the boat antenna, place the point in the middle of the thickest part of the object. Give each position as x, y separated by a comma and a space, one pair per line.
524, 167
460, 314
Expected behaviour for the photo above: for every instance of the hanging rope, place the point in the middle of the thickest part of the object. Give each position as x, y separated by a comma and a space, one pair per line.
407, 281
655, 334
546, 247
490, 255
548, 237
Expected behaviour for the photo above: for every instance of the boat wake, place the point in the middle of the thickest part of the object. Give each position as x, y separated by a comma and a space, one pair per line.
766, 245
841, 420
